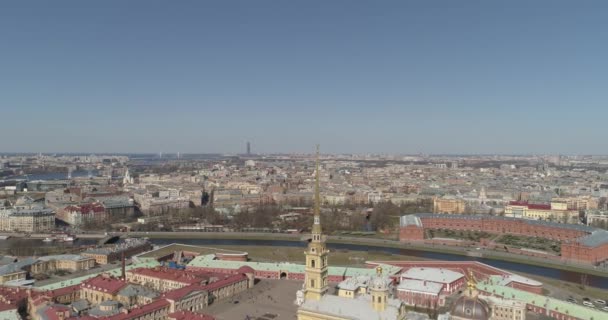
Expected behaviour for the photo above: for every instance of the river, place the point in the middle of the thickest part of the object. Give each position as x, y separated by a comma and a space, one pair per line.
564, 275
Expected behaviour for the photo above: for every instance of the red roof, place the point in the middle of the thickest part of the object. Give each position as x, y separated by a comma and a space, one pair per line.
7, 306
62, 291
86, 208
182, 276
104, 283
134, 313
245, 269
52, 312
11, 298
225, 282
177, 294
519, 203
536, 206
187, 315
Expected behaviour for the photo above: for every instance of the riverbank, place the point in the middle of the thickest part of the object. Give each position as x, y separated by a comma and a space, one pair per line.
565, 289
486, 254
374, 242
342, 258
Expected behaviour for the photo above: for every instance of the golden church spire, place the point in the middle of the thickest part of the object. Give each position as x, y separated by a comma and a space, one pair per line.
316, 227
317, 269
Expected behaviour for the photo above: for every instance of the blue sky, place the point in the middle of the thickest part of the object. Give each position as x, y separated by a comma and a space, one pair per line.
355, 76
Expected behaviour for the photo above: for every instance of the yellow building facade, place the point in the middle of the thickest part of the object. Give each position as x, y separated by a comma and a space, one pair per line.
62, 262
579, 203
449, 204
13, 276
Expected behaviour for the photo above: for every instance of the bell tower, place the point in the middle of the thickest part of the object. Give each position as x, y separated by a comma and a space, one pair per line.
316, 284
379, 291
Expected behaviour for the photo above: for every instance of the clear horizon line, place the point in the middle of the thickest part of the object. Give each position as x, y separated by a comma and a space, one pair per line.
296, 153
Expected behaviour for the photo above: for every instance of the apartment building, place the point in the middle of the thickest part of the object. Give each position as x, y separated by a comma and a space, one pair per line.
27, 220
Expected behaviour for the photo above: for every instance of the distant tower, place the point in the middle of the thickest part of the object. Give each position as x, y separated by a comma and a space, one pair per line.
127, 179
316, 283
69, 173
160, 155
482, 195
248, 148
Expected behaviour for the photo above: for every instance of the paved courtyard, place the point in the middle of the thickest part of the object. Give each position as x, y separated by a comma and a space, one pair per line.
268, 300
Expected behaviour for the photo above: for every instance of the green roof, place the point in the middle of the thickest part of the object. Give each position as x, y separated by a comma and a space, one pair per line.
10, 315
147, 263
579, 311
207, 261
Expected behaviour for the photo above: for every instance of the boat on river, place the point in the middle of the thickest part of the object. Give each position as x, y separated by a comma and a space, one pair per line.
63, 237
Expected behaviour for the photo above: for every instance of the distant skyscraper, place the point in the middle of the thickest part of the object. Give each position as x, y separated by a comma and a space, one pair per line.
248, 148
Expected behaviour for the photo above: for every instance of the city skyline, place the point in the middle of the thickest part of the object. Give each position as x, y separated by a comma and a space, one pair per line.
309, 160
389, 77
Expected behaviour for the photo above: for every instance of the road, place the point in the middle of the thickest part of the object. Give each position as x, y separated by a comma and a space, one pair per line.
46, 235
